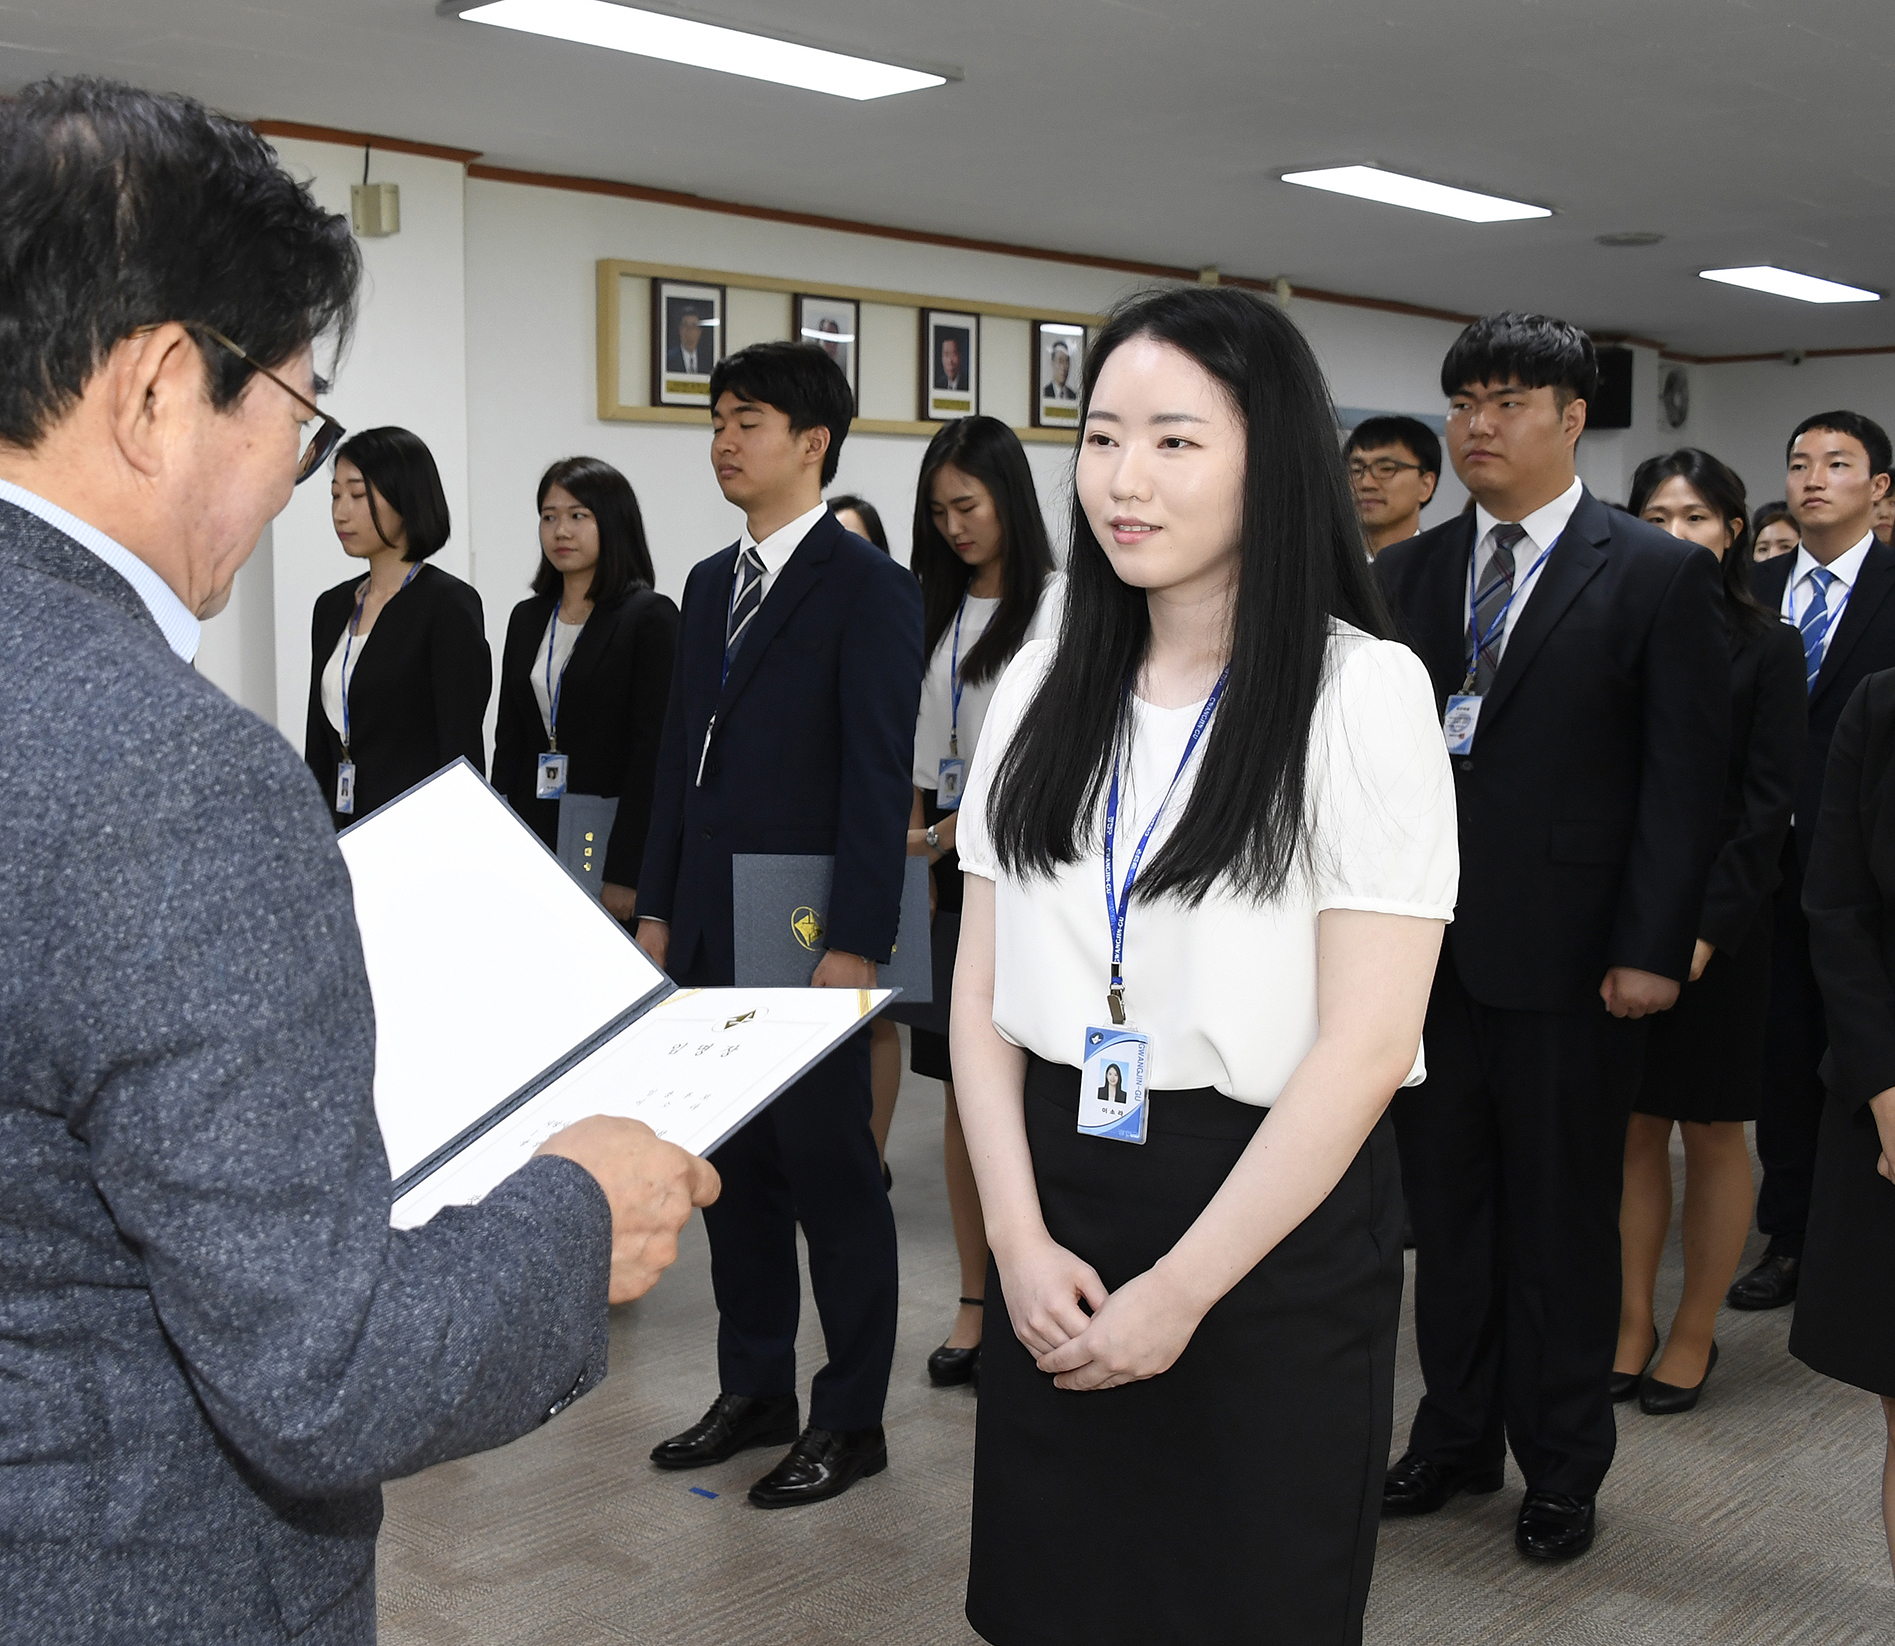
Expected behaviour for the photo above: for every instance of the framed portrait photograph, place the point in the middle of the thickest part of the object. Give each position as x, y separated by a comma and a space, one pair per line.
1059, 361
833, 324
950, 365
687, 340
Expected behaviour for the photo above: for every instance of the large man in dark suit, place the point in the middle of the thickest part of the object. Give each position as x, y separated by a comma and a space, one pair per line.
1588, 650
215, 1348
791, 729
1836, 589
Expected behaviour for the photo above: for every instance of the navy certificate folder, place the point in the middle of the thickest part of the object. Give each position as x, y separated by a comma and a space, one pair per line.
782, 902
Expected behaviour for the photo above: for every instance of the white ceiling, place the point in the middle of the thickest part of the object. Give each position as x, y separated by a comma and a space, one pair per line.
1746, 131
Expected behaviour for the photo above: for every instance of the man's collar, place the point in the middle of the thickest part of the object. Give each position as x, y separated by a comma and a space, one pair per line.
1845, 568
1544, 524
776, 549
180, 628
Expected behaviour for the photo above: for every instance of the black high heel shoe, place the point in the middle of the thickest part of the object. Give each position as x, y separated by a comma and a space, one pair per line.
947, 1367
1667, 1399
1624, 1385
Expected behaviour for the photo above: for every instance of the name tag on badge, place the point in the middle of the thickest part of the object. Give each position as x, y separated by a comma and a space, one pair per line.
948, 784
345, 788
549, 781
1459, 722
1112, 1096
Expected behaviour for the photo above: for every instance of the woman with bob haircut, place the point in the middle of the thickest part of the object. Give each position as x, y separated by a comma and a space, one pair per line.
383, 717
1704, 1058
1203, 1293
586, 669
987, 586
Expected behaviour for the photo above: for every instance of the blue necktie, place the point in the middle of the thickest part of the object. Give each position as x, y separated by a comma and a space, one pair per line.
1488, 603
748, 598
1814, 625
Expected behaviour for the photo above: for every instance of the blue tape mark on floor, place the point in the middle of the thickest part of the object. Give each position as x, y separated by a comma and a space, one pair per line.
702, 1493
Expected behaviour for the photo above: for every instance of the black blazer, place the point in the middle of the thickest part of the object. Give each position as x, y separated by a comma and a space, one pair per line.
812, 751
1864, 644
1588, 808
1769, 709
611, 715
419, 697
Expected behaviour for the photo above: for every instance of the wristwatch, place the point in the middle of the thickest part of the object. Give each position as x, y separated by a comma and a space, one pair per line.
933, 838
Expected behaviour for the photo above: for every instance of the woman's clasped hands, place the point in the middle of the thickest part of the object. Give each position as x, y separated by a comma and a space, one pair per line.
1087, 1337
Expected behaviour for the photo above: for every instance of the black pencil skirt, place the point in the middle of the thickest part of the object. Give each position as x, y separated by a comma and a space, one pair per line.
1704, 1058
1234, 1498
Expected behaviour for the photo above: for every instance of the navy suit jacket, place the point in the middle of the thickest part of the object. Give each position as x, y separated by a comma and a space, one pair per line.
1589, 807
1864, 644
812, 751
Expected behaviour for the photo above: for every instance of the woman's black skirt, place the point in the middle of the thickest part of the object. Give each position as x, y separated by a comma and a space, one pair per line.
1236, 1496
1704, 1057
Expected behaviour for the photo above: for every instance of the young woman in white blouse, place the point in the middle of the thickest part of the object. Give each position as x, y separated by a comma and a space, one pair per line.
1183, 1437
987, 586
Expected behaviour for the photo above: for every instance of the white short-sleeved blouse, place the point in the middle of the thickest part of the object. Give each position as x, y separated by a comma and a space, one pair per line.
934, 724
1227, 990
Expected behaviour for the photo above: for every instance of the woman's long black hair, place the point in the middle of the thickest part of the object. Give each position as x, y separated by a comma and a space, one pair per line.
624, 558
991, 452
1720, 487
1301, 566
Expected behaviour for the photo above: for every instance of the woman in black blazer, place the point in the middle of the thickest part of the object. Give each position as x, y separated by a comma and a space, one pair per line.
587, 665
1845, 1301
1704, 1057
384, 716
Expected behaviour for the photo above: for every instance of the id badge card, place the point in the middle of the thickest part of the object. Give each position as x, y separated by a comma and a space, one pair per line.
1112, 1096
948, 784
1459, 722
345, 788
549, 781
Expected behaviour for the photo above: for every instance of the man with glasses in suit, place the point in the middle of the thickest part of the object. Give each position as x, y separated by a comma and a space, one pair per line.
1394, 467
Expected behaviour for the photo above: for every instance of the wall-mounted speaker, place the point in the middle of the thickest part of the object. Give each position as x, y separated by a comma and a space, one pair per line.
1611, 407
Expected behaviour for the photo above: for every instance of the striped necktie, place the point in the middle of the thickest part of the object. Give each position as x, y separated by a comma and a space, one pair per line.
1814, 624
1488, 604
748, 598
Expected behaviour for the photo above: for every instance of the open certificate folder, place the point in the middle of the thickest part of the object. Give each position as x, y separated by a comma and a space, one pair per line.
509, 1004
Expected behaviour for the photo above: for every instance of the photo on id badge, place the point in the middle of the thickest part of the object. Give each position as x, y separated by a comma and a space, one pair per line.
551, 783
1112, 1085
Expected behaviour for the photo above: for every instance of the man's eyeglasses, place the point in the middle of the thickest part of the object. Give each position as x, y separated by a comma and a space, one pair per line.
1383, 468
328, 432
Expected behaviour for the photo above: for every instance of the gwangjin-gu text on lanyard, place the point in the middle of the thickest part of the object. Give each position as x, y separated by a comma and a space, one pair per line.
549, 779
1463, 710
345, 771
1115, 1062
951, 776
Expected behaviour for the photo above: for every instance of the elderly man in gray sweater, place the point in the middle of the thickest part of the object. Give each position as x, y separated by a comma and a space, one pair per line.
212, 1347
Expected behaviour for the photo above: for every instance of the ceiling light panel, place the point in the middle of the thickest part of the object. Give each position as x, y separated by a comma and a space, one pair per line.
1391, 188
704, 46
1805, 288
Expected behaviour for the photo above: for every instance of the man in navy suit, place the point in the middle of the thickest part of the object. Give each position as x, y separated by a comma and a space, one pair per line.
1579, 658
791, 729
1836, 589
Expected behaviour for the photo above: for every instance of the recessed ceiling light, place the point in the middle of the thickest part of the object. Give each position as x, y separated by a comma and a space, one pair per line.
1391, 188
1637, 237
701, 45
1805, 288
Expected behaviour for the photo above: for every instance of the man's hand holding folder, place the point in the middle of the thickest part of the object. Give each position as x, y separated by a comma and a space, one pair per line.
651, 1186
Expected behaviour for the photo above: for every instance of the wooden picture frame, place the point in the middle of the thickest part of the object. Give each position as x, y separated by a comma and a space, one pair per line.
949, 375
834, 324
687, 340
1056, 390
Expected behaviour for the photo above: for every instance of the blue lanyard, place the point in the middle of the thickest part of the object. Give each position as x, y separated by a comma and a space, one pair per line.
1116, 909
349, 645
954, 683
552, 685
1473, 606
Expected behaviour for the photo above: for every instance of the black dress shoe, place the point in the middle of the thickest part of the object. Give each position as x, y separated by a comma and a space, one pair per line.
1768, 1286
1664, 1399
1553, 1526
822, 1464
947, 1367
732, 1425
1623, 1385
1418, 1485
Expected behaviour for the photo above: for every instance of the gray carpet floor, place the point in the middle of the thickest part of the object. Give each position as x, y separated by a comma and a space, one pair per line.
1753, 1521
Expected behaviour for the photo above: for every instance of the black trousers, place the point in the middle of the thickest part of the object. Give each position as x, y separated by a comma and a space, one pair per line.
1513, 1155
1791, 1114
809, 1158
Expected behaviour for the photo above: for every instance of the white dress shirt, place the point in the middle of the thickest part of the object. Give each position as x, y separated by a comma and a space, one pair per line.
175, 621
1800, 590
934, 721
776, 549
563, 637
1543, 528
